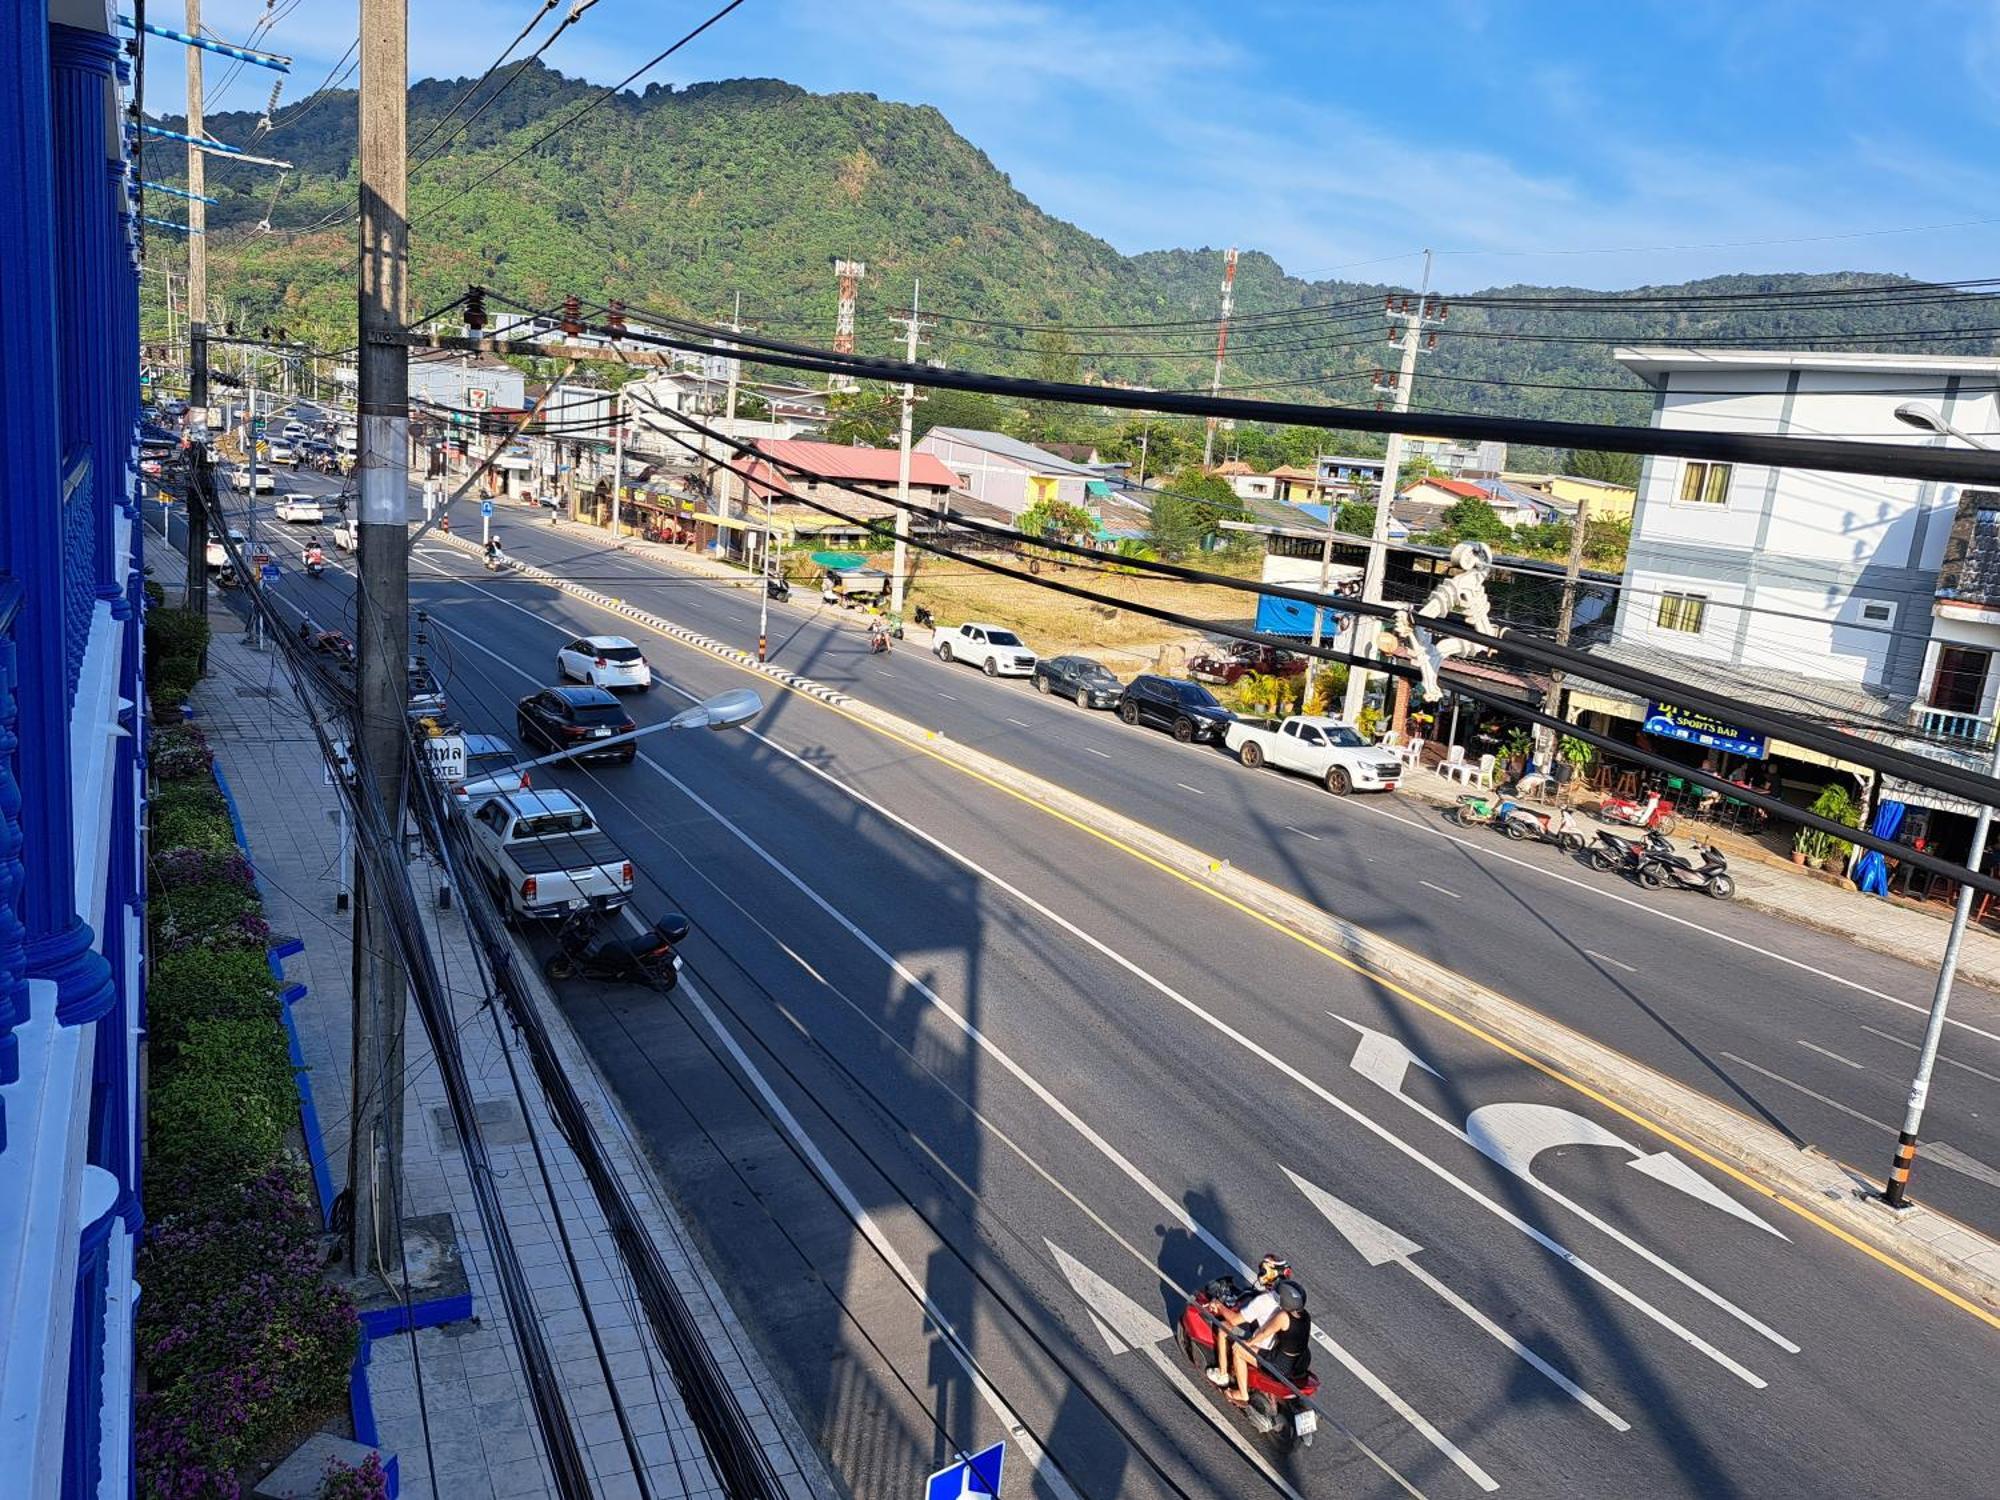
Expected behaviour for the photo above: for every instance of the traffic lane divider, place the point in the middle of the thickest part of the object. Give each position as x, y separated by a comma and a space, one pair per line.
1946, 1258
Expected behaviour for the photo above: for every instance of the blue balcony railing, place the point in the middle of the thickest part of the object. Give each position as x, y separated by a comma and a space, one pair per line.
79, 535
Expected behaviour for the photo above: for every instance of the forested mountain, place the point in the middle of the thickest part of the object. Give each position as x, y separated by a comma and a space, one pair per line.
680, 199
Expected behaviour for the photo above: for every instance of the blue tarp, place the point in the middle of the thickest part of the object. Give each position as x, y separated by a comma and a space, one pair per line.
1871, 871
1289, 617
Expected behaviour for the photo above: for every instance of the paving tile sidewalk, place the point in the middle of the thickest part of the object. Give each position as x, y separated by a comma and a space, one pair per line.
482, 1438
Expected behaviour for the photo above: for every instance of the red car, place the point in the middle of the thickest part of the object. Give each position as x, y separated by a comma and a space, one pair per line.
1228, 662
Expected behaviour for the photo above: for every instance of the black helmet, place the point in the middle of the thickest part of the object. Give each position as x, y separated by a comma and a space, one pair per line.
1291, 1296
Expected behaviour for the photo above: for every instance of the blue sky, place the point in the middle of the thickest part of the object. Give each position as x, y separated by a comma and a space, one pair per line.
1601, 145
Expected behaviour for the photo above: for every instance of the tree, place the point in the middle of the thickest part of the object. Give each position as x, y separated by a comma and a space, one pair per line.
1178, 525
1473, 521
1355, 517
1610, 468
1055, 361
1058, 519
861, 419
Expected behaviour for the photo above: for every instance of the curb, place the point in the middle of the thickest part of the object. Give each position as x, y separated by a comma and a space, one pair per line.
1803, 1179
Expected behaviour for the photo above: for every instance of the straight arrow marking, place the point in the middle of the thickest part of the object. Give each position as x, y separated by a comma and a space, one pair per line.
1378, 1244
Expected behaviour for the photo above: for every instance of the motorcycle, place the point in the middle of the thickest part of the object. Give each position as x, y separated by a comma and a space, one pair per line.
499, 562
1664, 865
1611, 852
315, 567
1278, 1409
1652, 812
923, 616
583, 952
778, 589
1479, 809
1558, 828
878, 643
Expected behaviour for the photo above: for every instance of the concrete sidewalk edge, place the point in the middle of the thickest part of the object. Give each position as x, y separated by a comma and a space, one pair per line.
1960, 1258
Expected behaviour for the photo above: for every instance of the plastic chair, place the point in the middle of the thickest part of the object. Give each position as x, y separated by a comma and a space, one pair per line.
1411, 751
1470, 773
1454, 757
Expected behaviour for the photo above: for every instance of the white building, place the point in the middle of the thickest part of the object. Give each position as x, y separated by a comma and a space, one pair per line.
1827, 576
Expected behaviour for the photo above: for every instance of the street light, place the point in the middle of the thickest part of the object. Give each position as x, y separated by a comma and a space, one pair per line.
1896, 1191
724, 711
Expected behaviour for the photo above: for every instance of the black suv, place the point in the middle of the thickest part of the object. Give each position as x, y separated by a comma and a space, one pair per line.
1187, 708
563, 718
1078, 677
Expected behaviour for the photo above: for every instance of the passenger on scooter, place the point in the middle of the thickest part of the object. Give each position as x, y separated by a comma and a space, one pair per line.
315, 554
1252, 1313
1284, 1339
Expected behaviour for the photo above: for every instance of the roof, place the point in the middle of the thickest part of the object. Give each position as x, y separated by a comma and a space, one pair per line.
863, 465
1464, 489
1002, 446
1234, 467
1658, 359
1293, 471
584, 696
1076, 453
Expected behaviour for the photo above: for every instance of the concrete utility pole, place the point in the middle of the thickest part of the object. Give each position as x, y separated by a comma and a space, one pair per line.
1413, 321
1565, 617
1221, 348
729, 413
618, 459
899, 572
198, 522
250, 515
381, 987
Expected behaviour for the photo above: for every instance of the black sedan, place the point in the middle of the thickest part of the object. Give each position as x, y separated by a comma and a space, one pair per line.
569, 718
1089, 682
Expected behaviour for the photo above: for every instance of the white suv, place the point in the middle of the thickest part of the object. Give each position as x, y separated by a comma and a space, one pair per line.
606, 661
994, 649
300, 508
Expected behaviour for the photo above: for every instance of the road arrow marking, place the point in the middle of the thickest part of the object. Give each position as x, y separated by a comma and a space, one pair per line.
1379, 1245
1384, 1061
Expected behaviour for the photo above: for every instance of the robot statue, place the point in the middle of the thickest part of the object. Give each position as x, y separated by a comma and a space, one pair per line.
1463, 592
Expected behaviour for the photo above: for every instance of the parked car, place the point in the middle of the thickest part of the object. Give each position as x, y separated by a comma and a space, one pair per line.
564, 718
994, 649
853, 585
216, 555
346, 535
1089, 682
1330, 752
295, 508
606, 661
1186, 708
1231, 661
486, 766
543, 855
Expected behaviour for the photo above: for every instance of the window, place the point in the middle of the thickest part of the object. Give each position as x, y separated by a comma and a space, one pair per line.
1960, 683
1705, 484
1878, 612
1682, 612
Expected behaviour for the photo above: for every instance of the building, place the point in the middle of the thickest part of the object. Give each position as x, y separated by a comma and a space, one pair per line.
1344, 477
806, 483
1608, 502
1245, 483
1458, 460
1009, 474
1295, 485
789, 410
72, 737
465, 382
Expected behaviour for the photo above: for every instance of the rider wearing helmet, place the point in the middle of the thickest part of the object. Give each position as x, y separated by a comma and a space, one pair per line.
1284, 1341
1252, 1313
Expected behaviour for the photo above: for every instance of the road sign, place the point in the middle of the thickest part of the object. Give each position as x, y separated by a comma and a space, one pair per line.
270, 573
968, 1478
257, 426
447, 755
486, 507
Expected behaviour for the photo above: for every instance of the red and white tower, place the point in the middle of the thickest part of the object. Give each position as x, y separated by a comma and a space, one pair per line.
1221, 348
850, 273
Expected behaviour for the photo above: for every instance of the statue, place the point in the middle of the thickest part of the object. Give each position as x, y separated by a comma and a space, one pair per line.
1463, 593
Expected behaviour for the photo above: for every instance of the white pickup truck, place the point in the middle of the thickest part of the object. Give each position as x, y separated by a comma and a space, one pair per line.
1313, 745
994, 649
543, 855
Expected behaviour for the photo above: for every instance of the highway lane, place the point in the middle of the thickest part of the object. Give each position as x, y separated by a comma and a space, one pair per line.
1209, 1125
1823, 1052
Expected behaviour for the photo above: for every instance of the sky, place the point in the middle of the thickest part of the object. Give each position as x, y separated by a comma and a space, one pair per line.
1541, 142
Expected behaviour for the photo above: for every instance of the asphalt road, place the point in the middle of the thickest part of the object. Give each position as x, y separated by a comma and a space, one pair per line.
959, 1098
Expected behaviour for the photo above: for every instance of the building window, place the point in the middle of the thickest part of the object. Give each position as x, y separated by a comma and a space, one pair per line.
1705, 484
1878, 612
1960, 683
1682, 612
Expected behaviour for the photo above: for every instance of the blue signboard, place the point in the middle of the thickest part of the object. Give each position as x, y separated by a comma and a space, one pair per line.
269, 573
1668, 721
969, 1478
486, 507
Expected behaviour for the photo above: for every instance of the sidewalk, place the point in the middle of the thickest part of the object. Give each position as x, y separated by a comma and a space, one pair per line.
482, 1441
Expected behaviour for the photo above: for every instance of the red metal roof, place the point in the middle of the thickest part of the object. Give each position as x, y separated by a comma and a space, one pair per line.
1459, 487
861, 465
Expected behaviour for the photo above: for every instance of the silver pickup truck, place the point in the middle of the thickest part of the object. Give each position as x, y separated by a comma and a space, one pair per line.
543, 855
1313, 745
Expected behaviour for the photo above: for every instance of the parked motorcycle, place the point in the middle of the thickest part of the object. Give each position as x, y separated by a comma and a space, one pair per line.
1652, 811
1278, 1409
1613, 852
779, 589
583, 951
1707, 869
1558, 828
1478, 810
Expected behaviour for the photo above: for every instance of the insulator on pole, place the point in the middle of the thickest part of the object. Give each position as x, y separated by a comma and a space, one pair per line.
615, 315
475, 307
572, 317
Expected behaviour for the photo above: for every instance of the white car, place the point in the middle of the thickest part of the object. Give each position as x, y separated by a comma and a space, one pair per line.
994, 649
345, 535
265, 482
606, 661
300, 508
1326, 749
280, 454
216, 555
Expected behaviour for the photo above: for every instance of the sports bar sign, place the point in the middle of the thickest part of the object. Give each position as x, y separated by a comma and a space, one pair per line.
1669, 721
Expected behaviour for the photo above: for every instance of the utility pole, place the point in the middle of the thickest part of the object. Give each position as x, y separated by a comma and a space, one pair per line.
381, 987
618, 459
1565, 617
198, 522
899, 572
1221, 348
1412, 319
729, 413
250, 518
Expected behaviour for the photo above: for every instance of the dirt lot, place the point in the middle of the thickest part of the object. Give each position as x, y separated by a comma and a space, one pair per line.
1053, 623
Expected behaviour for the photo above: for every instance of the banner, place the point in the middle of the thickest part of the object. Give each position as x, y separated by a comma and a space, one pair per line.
1667, 721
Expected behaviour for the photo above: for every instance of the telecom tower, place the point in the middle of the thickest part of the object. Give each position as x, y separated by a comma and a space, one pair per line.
850, 273
1221, 348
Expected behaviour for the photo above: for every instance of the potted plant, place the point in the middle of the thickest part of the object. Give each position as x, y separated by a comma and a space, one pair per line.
1515, 749
1837, 805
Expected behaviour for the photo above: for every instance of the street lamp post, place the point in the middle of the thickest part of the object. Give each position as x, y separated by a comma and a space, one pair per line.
724, 711
1896, 1191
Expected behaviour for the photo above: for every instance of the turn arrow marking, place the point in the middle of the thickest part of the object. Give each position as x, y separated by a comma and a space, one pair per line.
1378, 1244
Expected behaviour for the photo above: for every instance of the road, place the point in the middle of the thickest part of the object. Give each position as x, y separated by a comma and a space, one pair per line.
937, 1045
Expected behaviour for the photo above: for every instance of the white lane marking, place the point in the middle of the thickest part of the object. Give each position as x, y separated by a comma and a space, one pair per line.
1606, 958
1442, 891
950, 697
1948, 1061
1378, 1244
1097, 752
1851, 1113
1167, 1202
1186, 788
1022, 722
1378, 1049
1303, 834
1488, 851
1846, 1062
1045, 1467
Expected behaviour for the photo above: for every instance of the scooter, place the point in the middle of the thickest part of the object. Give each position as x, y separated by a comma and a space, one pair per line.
779, 589
1664, 865
315, 567
1480, 809
878, 643
1612, 852
1278, 1409
499, 562
583, 952
1652, 812
1558, 828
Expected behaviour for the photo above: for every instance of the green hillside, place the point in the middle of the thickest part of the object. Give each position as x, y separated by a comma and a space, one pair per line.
680, 199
